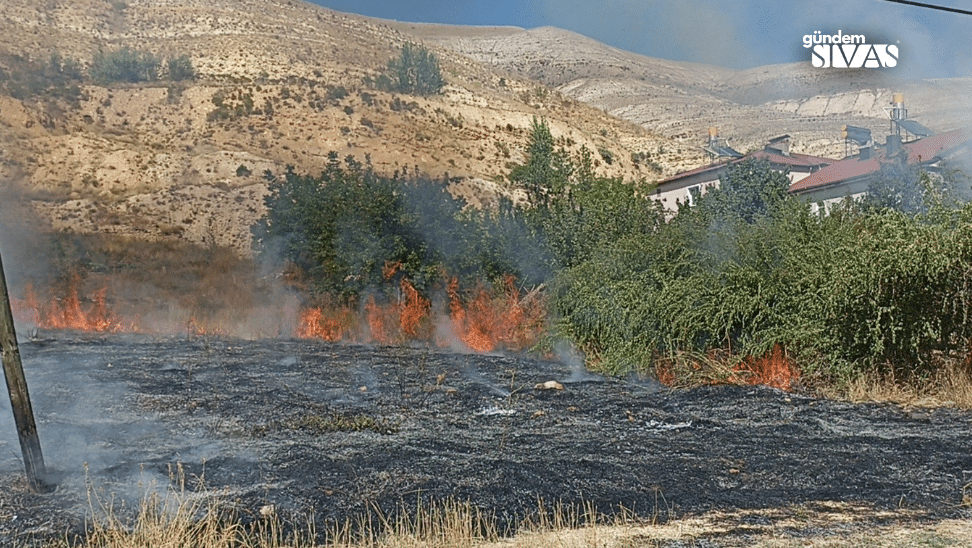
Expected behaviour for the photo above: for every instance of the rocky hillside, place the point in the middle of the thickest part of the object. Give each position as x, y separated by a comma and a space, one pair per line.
277, 83
681, 100
284, 82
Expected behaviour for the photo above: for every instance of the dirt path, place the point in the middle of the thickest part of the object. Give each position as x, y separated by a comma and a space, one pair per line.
313, 426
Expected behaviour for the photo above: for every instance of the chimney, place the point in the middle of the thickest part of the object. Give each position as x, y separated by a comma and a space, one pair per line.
893, 146
713, 136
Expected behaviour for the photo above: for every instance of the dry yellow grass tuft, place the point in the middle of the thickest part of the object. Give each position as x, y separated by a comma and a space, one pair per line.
178, 519
949, 386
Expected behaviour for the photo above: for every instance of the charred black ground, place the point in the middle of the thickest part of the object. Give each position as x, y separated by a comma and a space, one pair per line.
334, 429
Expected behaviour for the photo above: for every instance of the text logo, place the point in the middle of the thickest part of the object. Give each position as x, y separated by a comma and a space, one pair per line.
848, 51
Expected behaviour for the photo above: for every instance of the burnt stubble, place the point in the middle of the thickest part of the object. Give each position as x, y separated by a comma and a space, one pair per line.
336, 430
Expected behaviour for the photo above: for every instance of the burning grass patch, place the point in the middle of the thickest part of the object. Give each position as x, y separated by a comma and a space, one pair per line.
64, 307
483, 319
688, 369
165, 288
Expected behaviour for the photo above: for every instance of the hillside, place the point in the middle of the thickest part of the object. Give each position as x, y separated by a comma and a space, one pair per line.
680, 100
277, 83
283, 83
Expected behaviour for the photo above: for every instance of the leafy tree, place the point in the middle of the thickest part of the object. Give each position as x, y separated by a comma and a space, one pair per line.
573, 211
546, 171
343, 227
416, 71
909, 189
747, 191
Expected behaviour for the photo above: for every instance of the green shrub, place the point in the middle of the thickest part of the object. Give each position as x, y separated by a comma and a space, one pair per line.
180, 68
750, 268
415, 71
124, 65
54, 78
343, 227
606, 155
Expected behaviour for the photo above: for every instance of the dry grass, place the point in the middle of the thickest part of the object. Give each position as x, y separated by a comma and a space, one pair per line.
447, 525
178, 520
949, 386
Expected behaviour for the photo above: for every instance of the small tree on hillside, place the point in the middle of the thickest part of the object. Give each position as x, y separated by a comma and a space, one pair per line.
180, 68
547, 170
416, 71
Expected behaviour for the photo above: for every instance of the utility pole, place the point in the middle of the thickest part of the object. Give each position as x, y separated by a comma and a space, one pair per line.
13, 371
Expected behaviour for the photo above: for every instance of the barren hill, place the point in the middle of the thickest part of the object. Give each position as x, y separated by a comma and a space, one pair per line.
277, 83
680, 100
283, 82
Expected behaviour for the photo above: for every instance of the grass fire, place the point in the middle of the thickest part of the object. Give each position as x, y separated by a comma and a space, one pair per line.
747, 287
384, 338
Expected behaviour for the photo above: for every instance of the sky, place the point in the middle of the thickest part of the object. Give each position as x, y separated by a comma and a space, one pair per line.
729, 33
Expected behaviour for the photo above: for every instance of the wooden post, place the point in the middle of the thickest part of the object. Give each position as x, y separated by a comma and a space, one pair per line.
13, 370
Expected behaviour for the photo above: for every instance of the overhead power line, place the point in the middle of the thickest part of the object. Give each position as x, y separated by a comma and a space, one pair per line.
931, 6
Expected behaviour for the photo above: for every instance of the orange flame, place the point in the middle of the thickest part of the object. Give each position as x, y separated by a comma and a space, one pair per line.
414, 313
68, 312
772, 369
488, 321
484, 323
379, 321
203, 328
483, 320
409, 319
330, 324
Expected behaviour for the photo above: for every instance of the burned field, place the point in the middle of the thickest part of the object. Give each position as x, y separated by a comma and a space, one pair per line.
334, 430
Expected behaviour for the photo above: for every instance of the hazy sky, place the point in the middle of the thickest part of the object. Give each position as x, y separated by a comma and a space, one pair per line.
732, 33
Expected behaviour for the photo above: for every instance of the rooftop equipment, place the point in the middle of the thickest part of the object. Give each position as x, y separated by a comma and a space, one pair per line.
899, 119
860, 136
717, 148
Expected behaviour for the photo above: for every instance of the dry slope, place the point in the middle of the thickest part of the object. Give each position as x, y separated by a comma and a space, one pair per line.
278, 83
680, 100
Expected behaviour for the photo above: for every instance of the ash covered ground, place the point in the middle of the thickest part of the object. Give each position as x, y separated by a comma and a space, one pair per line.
335, 429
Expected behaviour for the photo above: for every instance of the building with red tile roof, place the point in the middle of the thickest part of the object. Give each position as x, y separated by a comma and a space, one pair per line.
685, 187
850, 177
821, 181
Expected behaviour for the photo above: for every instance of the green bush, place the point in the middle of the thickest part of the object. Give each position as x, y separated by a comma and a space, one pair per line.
415, 71
750, 268
124, 65
180, 68
343, 227
54, 78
